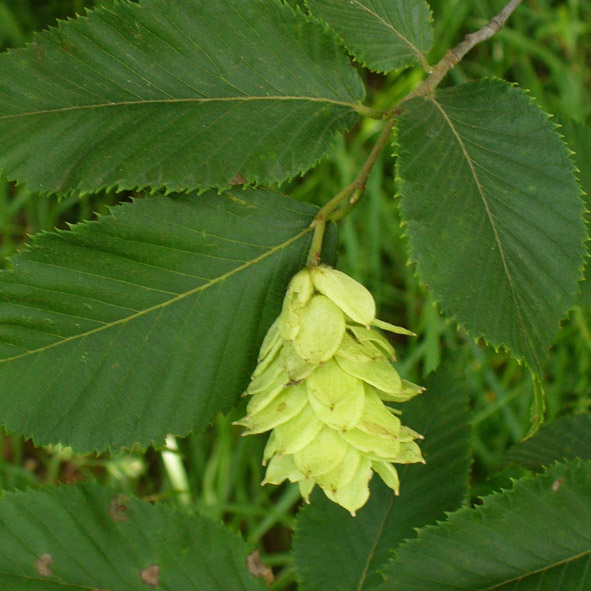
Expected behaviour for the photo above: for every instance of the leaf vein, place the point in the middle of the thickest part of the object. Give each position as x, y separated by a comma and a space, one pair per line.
176, 298
193, 100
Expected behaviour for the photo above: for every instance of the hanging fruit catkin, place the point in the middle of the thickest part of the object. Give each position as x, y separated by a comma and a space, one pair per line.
324, 372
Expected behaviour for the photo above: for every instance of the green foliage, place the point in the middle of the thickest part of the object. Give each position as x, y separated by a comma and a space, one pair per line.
152, 95
535, 536
88, 537
383, 36
156, 311
147, 322
494, 213
566, 438
426, 493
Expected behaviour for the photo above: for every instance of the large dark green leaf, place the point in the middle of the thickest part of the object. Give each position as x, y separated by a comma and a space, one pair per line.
426, 492
180, 94
493, 212
565, 438
89, 538
535, 537
147, 321
384, 36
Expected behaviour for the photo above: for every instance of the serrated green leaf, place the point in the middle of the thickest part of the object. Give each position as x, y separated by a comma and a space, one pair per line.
88, 537
176, 94
578, 137
565, 438
493, 212
535, 537
383, 36
148, 321
426, 492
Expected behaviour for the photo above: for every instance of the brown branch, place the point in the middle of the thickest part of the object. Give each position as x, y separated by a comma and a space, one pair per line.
453, 56
494, 26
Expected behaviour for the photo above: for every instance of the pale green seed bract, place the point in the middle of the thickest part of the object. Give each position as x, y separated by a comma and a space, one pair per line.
298, 432
355, 494
323, 453
321, 326
336, 397
323, 376
377, 372
295, 366
283, 407
349, 295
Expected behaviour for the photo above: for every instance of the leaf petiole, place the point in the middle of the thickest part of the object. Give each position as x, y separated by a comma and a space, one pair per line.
342, 203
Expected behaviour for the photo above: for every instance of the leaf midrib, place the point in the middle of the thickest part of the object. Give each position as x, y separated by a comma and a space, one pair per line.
195, 100
166, 303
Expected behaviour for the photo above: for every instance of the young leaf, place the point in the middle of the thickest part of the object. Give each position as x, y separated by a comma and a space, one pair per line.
383, 36
176, 94
89, 537
536, 536
146, 322
494, 214
565, 438
426, 492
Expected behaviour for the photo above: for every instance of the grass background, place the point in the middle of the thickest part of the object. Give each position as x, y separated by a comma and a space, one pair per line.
545, 48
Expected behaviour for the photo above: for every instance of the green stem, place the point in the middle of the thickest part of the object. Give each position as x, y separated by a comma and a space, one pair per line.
346, 208
344, 201
317, 239
369, 112
176, 472
281, 508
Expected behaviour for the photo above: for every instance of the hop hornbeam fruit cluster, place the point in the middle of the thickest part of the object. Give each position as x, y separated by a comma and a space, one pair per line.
324, 372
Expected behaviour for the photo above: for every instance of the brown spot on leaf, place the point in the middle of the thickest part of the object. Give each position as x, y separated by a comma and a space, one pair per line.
257, 569
151, 575
43, 565
238, 180
118, 508
557, 484
281, 407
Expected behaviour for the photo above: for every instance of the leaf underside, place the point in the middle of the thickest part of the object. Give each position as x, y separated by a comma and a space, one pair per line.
426, 492
565, 438
175, 94
384, 36
88, 537
535, 537
148, 321
493, 211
